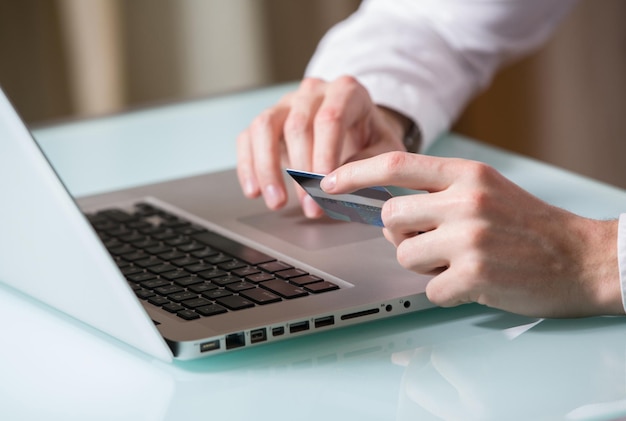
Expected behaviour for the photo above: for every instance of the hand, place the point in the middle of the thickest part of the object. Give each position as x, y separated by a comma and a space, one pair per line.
486, 240
316, 128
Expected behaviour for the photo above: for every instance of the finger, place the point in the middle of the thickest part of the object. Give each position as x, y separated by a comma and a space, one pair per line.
265, 143
245, 166
310, 208
425, 253
299, 136
448, 289
346, 105
415, 213
298, 130
402, 169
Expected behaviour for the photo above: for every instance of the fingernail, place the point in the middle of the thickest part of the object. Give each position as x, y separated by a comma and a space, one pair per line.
250, 188
273, 196
328, 183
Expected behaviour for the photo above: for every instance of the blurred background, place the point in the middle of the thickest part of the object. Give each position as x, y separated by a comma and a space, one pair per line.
66, 59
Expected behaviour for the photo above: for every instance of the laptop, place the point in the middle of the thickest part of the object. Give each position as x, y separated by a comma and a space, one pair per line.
188, 268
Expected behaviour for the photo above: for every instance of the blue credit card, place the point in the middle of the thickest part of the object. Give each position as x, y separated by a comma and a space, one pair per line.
362, 206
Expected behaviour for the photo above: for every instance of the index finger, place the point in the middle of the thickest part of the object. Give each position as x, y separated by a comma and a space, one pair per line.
401, 169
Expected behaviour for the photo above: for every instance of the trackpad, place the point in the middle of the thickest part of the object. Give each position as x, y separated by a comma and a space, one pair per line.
291, 226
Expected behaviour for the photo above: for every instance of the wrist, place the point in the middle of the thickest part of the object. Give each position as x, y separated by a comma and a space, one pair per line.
403, 128
600, 266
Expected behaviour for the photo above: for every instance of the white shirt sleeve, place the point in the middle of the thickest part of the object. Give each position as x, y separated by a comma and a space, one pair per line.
427, 58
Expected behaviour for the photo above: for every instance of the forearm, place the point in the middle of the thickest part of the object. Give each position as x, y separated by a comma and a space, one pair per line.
427, 59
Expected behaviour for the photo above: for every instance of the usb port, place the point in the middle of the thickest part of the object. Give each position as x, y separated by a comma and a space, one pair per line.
299, 327
324, 321
210, 346
258, 335
278, 331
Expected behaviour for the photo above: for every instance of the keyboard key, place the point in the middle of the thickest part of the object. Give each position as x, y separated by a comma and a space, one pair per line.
178, 241
196, 302
275, 266
284, 289
189, 229
149, 261
175, 274
235, 302
245, 271
154, 283
225, 280
199, 267
216, 293
211, 310
162, 268
137, 255
290, 273
240, 286
218, 258
186, 261
212, 273
121, 250
177, 297
158, 300
204, 252
141, 276
318, 287
191, 246
188, 314
171, 255
158, 249
144, 294
304, 280
169, 289
259, 277
188, 280
131, 270
203, 287
164, 235
231, 265
173, 307
260, 296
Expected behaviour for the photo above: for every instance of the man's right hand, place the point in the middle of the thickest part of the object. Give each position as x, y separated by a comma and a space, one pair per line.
318, 127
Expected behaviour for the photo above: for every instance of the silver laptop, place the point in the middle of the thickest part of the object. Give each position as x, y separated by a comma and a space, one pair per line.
188, 268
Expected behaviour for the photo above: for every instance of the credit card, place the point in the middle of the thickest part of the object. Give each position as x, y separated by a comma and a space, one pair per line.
362, 206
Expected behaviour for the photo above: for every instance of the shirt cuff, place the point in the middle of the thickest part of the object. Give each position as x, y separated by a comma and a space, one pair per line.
621, 255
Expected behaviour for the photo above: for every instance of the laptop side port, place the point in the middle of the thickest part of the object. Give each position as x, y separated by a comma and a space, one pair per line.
278, 331
210, 346
324, 321
299, 326
235, 340
258, 335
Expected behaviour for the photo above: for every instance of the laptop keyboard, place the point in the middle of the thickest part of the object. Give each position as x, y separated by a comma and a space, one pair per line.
192, 272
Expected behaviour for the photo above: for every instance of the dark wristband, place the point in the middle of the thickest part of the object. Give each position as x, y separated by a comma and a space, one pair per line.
412, 138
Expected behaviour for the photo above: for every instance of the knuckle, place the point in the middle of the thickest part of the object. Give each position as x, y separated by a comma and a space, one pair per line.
329, 115
348, 82
394, 162
296, 123
480, 171
262, 121
477, 201
309, 84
